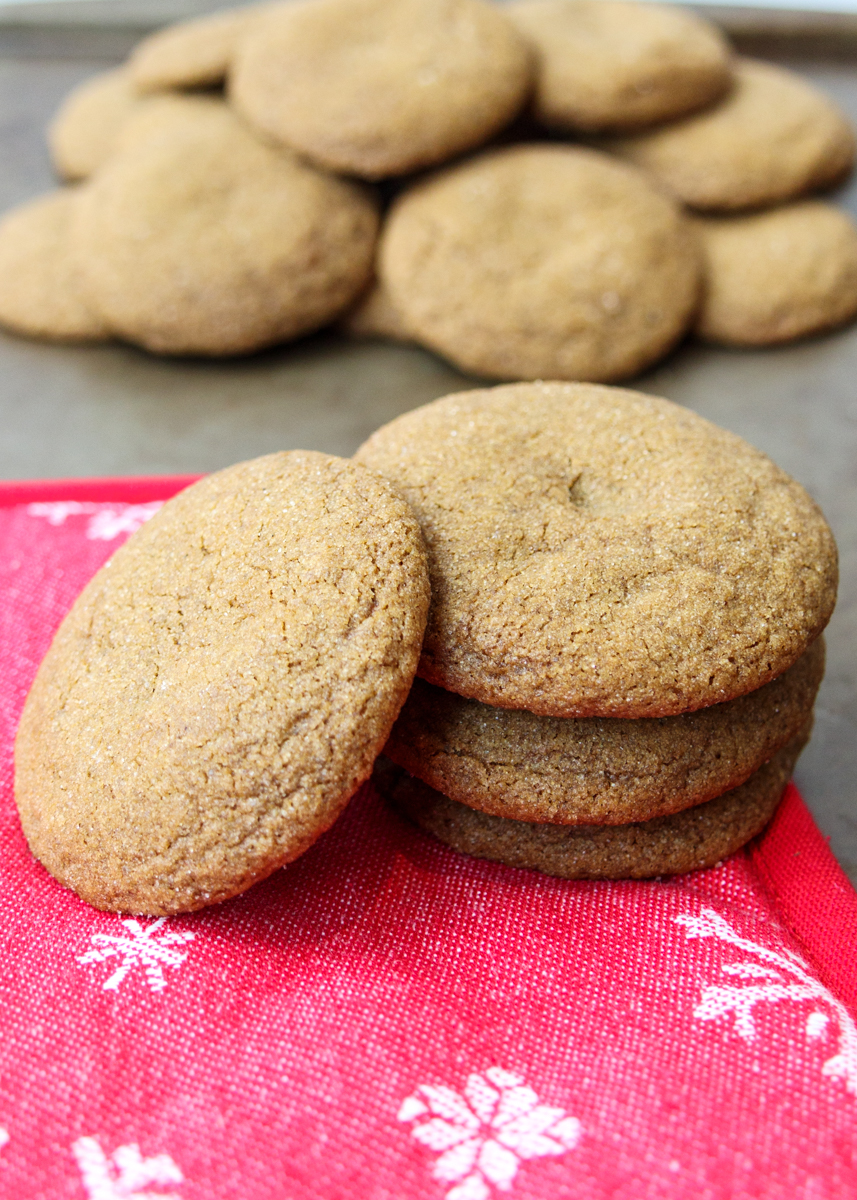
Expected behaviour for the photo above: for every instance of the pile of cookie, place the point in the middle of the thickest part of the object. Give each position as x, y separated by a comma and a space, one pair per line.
615, 609
249, 177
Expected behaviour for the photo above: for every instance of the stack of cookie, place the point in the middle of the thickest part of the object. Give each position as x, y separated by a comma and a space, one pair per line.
623, 646
226, 201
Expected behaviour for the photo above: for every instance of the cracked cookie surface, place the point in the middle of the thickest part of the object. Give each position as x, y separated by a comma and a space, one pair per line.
222, 686
597, 552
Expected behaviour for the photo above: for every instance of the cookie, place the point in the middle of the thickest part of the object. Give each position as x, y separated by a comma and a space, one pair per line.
541, 262
190, 54
40, 286
609, 64
374, 316
686, 841
597, 771
381, 87
222, 686
82, 135
167, 113
774, 137
206, 241
778, 275
597, 552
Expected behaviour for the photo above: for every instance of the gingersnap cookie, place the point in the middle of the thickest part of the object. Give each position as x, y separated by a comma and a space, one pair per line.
381, 87
686, 841
541, 261
609, 64
597, 770
40, 286
778, 275
772, 138
82, 135
190, 54
597, 552
222, 686
204, 240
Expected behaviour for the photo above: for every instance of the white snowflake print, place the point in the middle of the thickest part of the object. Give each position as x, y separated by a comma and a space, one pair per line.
106, 521
139, 947
484, 1135
772, 976
4, 1137
124, 1174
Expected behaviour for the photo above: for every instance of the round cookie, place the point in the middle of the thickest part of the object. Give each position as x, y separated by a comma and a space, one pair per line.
773, 138
381, 87
541, 262
204, 240
614, 65
190, 54
597, 771
40, 285
222, 686
82, 135
686, 841
778, 275
165, 114
374, 316
597, 552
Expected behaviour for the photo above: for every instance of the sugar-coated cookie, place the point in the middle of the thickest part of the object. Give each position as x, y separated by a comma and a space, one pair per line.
777, 275
772, 138
82, 135
597, 552
222, 686
541, 262
686, 841
611, 64
381, 87
190, 54
41, 293
205, 240
597, 770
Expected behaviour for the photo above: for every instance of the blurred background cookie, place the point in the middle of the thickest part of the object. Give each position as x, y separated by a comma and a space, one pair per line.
777, 275
614, 64
82, 135
190, 54
380, 87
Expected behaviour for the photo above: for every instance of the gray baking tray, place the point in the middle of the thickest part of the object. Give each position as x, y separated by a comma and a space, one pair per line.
113, 410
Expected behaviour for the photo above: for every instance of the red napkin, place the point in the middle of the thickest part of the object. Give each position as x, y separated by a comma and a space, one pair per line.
386, 1019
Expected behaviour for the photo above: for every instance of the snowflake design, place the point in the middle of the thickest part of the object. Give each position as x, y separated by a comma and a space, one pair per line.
106, 521
484, 1135
143, 947
771, 978
123, 1174
4, 1137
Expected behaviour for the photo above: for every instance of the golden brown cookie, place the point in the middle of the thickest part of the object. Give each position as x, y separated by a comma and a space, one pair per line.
610, 64
375, 316
190, 54
778, 275
222, 686
381, 87
166, 113
686, 841
597, 770
774, 137
204, 240
597, 552
82, 135
40, 285
541, 262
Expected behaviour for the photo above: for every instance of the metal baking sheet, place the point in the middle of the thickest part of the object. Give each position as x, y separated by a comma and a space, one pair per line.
113, 410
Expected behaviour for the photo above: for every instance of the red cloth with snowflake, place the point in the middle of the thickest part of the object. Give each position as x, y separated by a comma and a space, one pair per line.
386, 1018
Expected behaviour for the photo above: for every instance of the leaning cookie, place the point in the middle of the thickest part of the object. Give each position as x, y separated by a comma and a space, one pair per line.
41, 291
686, 841
376, 88
191, 54
595, 771
205, 240
82, 135
774, 276
222, 686
598, 552
773, 138
541, 262
613, 65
